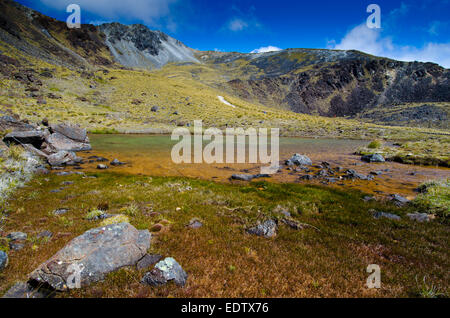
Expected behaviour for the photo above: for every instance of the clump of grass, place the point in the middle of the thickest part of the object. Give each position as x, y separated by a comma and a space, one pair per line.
426, 290
376, 144
435, 198
15, 153
131, 210
94, 214
115, 220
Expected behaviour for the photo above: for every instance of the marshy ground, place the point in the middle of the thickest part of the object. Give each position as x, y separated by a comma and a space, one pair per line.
328, 259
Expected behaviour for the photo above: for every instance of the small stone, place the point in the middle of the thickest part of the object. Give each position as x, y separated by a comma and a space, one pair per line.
17, 236
60, 211
419, 217
116, 162
102, 167
148, 260
164, 272
45, 234
373, 158
399, 200
268, 229
3, 260
293, 224
157, 227
378, 215
195, 224
15, 246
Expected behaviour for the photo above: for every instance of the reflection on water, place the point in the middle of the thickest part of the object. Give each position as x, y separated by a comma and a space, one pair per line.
151, 155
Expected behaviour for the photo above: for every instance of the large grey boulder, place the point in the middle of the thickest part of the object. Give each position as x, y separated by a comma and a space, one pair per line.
267, 229
61, 158
59, 142
71, 131
300, 160
164, 272
33, 137
3, 260
89, 257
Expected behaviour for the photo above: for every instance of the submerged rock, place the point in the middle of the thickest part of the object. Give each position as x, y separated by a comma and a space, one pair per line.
164, 272
268, 229
93, 255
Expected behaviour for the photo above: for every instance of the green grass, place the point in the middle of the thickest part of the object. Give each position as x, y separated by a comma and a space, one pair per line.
435, 198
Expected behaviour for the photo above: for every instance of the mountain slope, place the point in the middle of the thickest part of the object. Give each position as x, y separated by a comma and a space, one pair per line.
327, 83
330, 83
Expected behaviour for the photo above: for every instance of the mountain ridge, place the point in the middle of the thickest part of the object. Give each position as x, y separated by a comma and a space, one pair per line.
323, 82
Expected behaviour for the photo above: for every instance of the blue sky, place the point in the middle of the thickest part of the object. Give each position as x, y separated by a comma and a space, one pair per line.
410, 30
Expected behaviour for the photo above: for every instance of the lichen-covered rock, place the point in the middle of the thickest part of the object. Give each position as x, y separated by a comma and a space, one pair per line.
267, 229
164, 272
3, 260
92, 255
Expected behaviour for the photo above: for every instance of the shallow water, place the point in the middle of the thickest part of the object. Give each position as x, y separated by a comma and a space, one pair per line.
151, 155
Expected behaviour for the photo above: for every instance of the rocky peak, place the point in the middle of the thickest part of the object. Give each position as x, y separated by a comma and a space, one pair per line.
138, 46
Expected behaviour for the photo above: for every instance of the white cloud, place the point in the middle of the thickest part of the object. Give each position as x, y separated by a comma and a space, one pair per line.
237, 24
266, 49
148, 11
371, 41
